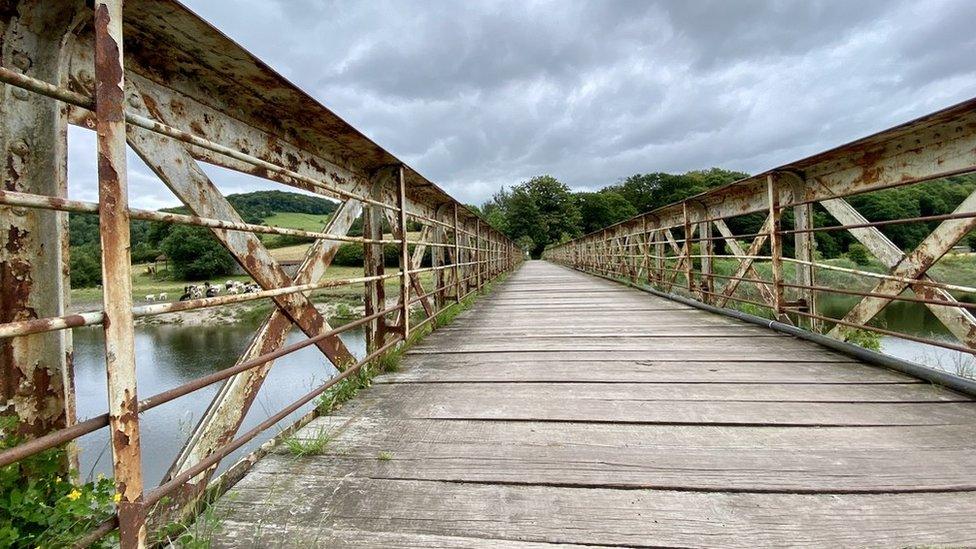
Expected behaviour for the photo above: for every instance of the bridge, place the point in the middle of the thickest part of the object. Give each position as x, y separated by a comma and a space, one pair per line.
673, 380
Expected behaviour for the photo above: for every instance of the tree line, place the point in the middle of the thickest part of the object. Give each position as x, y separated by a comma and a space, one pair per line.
543, 211
192, 252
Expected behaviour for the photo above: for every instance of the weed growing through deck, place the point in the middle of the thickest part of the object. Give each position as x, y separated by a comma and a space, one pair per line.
198, 534
384, 456
307, 447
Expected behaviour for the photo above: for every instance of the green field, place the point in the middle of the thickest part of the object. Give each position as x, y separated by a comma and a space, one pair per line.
303, 221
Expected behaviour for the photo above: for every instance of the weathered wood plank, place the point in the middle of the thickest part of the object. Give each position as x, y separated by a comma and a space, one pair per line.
636, 518
565, 409
438, 370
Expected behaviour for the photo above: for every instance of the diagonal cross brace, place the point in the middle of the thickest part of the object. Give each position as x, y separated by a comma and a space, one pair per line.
746, 266
415, 260
174, 165
230, 405
959, 321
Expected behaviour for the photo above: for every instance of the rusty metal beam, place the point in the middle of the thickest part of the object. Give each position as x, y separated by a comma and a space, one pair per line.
120, 359
36, 379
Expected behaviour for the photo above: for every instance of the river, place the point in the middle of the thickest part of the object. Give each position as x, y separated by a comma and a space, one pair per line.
170, 355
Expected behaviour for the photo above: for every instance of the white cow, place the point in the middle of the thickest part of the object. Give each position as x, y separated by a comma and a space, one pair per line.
150, 298
162, 296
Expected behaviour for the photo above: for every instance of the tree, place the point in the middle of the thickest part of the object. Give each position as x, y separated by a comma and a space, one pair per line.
86, 266
195, 254
598, 210
651, 191
543, 209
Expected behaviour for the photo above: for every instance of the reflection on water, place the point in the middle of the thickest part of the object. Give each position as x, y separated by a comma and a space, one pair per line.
170, 355
907, 318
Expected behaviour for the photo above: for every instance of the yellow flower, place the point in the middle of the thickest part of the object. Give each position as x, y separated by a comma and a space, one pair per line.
75, 494
117, 497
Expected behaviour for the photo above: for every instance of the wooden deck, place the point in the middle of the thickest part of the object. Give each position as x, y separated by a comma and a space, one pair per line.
564, 409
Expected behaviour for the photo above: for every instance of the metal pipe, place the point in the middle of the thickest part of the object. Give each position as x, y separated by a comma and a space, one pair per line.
12, 198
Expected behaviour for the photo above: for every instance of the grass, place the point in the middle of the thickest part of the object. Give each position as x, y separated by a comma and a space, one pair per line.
294, 220
307, 447
197, 534
297, 251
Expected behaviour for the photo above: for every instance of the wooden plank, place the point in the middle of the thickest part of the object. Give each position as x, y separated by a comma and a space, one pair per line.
567, 371
636, 518
235, 534
481, 394
811, 354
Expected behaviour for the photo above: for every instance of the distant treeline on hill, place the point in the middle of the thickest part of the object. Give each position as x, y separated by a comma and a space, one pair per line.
543, 211
192, 250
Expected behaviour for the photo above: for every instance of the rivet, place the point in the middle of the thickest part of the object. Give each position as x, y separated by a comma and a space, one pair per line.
21, 61
21, 94
20, 148
134, 101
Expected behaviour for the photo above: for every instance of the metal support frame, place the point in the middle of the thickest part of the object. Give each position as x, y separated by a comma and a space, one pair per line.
120, 359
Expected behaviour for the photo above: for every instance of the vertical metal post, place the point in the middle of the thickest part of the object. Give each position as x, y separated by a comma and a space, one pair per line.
437, 260
477, 257
659, 251
374, 298
775, 243
457, 257
689, 262
35, 370
404, 252
646, 259
113, 210
706, 248
804, 246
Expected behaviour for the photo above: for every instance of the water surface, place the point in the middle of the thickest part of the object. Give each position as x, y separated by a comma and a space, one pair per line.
170, 355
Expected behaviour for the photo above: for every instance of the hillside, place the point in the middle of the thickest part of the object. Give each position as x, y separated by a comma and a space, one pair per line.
151, 239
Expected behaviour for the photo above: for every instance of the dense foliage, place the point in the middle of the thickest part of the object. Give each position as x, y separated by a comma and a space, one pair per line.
195, 254
39, 507
542, 211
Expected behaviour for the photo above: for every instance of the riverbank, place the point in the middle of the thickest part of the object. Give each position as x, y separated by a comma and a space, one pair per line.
335, 303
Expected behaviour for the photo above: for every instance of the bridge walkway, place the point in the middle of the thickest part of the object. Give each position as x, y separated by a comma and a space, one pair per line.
564, 409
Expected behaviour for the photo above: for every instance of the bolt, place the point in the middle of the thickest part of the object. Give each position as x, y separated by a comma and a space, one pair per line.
20, 93
134, 101
20, 148
21, 61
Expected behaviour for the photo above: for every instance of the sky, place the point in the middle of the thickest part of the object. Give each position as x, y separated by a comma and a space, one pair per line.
480, 95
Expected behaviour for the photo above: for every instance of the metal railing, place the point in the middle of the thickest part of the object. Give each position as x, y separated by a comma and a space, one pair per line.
689, 248
64, 62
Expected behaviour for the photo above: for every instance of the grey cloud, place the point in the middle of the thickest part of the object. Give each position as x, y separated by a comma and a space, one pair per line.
481, 94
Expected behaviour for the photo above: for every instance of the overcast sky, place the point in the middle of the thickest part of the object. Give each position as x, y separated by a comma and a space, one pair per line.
476, 95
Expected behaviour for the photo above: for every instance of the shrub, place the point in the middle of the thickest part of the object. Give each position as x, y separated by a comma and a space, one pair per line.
858, 253
195, 254
86, 266
39, 507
